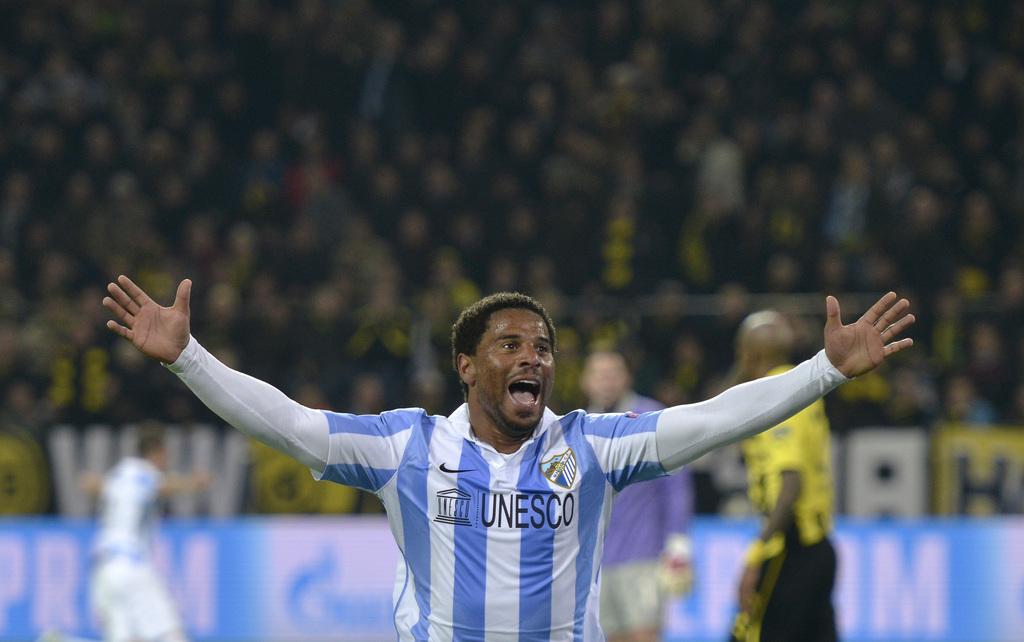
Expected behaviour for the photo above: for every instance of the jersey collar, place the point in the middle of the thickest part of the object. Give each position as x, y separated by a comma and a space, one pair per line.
460, 421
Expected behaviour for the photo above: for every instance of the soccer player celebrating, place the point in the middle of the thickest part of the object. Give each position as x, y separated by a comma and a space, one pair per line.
499, 509
785, 591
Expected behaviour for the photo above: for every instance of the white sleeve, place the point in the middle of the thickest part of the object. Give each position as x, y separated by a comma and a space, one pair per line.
254, 407
684, 433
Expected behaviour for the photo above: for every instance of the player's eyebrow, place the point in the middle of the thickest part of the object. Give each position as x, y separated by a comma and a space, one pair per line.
504, 337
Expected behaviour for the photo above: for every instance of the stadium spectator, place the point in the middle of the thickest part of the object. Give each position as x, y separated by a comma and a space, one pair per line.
185, 138
964, 404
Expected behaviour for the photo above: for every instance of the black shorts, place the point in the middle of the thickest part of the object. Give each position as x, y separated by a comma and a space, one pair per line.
794, 597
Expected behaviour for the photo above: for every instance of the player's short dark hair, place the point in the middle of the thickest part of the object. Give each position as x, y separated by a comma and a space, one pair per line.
151, 438
469, 328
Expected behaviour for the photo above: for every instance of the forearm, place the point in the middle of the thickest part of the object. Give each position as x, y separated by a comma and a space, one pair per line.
91, 484
687, 432
781, 515
254, 407
174, 484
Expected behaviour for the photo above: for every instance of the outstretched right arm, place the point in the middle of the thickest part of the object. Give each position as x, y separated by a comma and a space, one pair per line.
256, 408
252, 406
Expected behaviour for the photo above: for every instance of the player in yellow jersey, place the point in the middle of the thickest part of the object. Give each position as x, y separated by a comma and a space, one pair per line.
785, 591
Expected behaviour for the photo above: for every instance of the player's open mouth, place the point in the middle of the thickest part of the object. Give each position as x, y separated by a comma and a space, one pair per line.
525, 392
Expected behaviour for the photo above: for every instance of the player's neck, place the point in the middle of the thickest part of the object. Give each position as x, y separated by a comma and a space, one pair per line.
762, 367
486, 430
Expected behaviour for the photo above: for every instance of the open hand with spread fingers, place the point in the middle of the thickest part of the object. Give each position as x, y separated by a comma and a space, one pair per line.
158, 332
861, 346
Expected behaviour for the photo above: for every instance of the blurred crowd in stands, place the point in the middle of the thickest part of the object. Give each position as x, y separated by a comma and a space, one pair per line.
340, 178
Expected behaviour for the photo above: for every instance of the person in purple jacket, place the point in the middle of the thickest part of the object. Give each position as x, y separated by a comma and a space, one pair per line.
647, 547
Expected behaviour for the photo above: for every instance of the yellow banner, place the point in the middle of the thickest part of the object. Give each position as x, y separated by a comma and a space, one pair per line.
978, 470
24, 476
281, 484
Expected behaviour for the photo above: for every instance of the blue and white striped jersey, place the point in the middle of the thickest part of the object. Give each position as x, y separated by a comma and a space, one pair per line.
494, 546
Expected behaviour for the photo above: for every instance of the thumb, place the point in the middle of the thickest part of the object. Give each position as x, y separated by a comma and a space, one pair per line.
181, 299
833, 320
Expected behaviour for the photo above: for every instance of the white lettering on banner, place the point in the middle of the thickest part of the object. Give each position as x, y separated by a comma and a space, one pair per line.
192, 579
847, 595
910, 597
677, 621
1010, 600
12, 570
319, 578
57, 559
886, 472
197, 583
329, 578
721, 568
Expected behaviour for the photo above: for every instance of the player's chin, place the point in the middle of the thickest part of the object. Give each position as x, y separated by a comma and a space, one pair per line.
523, 418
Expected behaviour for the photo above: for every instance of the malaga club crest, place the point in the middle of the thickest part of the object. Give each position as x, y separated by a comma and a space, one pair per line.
560, 469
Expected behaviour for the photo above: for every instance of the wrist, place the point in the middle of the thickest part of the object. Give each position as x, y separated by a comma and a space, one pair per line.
678, 546
184, 357
833, 374
761, 550
755, 553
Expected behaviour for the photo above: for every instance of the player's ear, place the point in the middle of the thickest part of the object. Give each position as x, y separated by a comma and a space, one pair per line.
466, 369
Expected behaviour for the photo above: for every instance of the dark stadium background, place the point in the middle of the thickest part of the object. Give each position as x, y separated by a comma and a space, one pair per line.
340, 178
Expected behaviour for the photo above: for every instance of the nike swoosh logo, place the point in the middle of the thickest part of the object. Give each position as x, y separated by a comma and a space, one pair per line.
445, 469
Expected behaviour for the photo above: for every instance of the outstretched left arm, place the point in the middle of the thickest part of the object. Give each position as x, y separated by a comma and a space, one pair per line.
684, 433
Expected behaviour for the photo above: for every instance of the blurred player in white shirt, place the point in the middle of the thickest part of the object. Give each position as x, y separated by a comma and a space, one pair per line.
129, 597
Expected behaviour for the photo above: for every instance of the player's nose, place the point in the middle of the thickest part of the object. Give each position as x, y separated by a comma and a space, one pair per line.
528, 356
